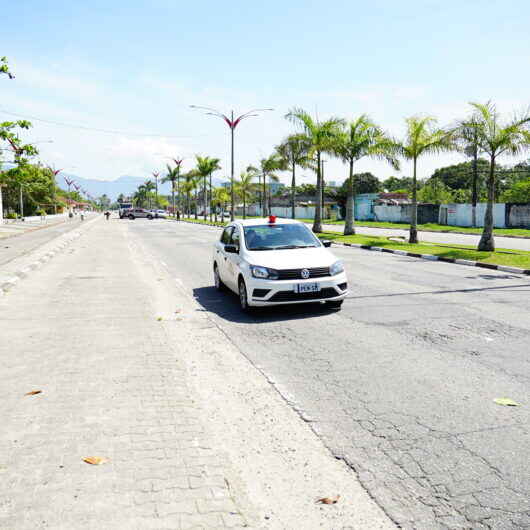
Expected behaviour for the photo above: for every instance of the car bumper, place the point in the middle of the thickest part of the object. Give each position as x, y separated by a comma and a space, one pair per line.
280, 292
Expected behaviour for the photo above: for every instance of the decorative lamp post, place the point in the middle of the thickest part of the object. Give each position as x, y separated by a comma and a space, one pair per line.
232, 123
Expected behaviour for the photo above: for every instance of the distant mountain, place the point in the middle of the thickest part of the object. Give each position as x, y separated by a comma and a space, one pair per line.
126, 184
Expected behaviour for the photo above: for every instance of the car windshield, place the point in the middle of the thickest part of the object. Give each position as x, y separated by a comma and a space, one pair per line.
279, 236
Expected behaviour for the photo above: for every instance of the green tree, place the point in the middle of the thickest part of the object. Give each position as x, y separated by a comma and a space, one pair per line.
422, 138
4, 68
173, 176
293, 152
497, 138
245, 189
205, 167
321, 136
220, 198
395, 184
268, 166
359, 139
435, 193
519, 192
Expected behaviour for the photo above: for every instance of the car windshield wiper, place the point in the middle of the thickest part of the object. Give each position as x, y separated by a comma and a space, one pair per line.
261, 248
293, 246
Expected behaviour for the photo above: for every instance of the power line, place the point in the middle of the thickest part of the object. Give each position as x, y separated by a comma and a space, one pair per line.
85, 128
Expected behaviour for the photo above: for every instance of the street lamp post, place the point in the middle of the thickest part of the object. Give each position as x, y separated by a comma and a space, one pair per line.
232, 123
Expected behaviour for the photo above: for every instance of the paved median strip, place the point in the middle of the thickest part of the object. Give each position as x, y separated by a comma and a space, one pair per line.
39, 257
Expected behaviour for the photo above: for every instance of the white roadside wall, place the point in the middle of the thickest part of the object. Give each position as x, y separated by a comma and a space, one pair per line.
461, 214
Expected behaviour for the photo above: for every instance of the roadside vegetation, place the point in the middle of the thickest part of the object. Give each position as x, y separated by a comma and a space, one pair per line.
507, 257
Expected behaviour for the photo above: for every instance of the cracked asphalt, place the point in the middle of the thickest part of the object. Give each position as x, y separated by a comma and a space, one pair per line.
399, 384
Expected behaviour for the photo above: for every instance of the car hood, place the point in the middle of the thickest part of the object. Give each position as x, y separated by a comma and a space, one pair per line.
299, 258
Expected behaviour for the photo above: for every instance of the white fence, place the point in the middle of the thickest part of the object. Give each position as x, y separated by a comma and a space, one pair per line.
461, 214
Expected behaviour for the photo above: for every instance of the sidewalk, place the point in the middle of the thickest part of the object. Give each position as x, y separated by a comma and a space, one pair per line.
131, 370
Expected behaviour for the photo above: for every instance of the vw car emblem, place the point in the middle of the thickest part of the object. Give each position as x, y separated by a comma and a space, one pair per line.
305, 274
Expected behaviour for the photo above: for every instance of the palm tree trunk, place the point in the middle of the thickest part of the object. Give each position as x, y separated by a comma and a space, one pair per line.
317, 224
413, 236
264, 195
196, 210
474, 191
211, 198
293, 191
349, 227
244, 207
173, 197
487, 243
204, 195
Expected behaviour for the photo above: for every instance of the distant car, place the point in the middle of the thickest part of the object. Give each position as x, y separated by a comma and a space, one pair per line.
159, 214
272, 262
135, 213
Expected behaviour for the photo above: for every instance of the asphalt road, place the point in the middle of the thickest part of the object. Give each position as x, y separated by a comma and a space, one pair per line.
399, 384
437, 237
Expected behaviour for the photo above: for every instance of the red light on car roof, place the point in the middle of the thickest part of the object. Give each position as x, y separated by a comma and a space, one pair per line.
272, 219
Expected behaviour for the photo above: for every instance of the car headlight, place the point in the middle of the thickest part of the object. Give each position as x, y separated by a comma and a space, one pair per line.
264, 273
336, 268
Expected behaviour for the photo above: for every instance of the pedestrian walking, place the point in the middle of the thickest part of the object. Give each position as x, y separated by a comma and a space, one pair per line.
178, 215
107, 215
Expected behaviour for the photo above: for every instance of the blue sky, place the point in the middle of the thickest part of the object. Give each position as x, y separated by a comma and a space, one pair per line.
136, 66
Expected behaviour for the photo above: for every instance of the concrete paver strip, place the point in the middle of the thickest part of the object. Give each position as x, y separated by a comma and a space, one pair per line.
115, 383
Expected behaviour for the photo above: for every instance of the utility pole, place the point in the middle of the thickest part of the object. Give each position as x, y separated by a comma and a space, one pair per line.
323, 184
21, 204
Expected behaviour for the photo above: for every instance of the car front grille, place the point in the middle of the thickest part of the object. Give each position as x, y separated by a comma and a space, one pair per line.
291, 296
296, 274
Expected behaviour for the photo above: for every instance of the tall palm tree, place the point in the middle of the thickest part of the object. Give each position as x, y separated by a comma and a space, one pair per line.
422, 138
322, 137
294, 151
268, 166
173, 175
244, 189
467, 137
497, 138
205, 167
358, 139
188, 187
149, 186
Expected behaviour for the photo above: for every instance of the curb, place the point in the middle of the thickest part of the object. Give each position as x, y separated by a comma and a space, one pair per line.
429, 257
40, 259
432, 257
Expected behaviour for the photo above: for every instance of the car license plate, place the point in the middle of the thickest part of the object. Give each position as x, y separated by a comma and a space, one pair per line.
306, 287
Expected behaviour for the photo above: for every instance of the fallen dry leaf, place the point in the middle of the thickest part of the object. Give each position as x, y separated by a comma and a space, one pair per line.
178, 311
329, 500
507, 402
159, 319
33, 393
95, 460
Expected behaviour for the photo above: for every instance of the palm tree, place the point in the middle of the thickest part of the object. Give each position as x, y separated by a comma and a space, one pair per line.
220, 198
467, 136
321, 136
358, 139
422, 137
149, 186
498, 138
187, 188
205, 167
293, 151
268, 166
245, 189
172, 176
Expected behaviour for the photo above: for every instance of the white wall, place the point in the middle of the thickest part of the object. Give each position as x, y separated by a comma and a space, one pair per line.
461, 214
388, 213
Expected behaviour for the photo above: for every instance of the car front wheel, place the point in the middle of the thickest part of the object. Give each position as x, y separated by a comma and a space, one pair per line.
150, 217
243, 297
219, 285
131, 217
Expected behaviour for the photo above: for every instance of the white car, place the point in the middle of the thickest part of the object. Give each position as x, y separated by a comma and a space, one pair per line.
277, 261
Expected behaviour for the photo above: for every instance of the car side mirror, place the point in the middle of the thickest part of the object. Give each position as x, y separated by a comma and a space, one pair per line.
231, 249
326, 243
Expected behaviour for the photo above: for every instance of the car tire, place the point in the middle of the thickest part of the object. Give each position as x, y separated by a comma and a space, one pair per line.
219, 285
150, 217
335, 304
131, 217
243, 297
